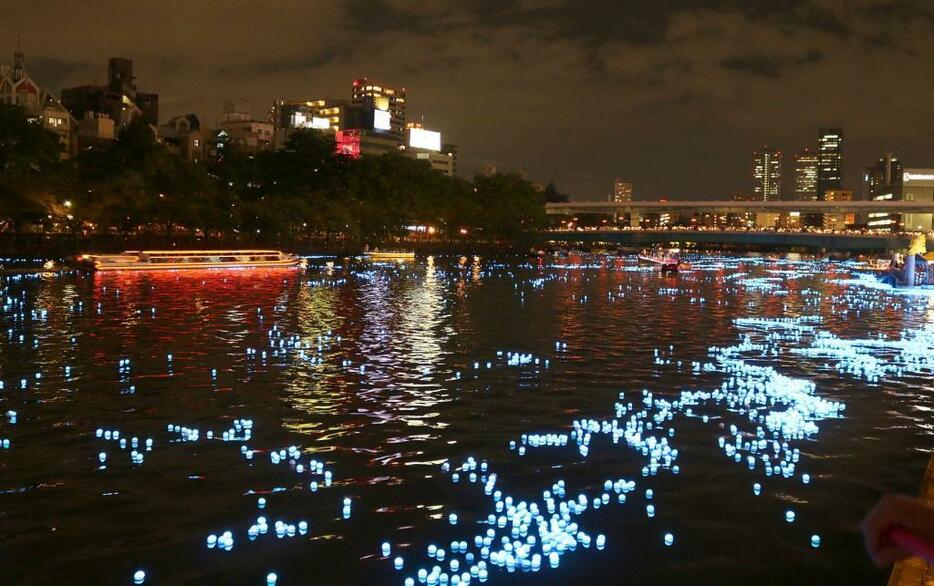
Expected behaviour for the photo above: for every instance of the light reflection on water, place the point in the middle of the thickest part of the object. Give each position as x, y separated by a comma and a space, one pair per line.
418, 331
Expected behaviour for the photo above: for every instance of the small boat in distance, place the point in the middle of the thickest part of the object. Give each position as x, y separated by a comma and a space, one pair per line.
148, 260
389, 255
667, 260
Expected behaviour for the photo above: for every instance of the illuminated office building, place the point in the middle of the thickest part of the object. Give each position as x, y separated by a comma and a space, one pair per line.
327, 115
806, 175
321, 114
887, 180
767, 174
384, 107
917, 185
829, 160
882, 182
622, 191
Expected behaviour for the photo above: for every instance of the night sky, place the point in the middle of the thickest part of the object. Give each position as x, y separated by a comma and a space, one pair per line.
672, 95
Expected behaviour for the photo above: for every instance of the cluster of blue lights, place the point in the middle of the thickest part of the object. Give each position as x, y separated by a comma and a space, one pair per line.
760, 416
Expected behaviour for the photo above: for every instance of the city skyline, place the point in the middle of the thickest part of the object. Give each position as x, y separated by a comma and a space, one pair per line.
499, 80
815, 172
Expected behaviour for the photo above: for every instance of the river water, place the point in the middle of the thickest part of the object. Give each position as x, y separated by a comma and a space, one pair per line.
375, 383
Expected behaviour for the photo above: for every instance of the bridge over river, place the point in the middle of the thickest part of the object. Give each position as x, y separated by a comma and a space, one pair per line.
739, 207
765, 239
918, 211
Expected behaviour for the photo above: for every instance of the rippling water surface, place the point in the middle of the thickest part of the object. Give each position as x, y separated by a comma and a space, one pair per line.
383, 373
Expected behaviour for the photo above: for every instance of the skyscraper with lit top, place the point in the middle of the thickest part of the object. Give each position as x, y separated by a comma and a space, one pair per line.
384, 107
829, 160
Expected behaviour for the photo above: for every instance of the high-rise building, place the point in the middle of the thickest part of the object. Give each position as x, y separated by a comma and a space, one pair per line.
767, 174
829, 160
882, 182
384, 107
806, 175
622, 191
118, 99
880, 179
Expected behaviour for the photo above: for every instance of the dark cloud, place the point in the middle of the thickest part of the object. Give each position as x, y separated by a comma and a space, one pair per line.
769, 65
377, 17
762, 65
673, 94
54, 71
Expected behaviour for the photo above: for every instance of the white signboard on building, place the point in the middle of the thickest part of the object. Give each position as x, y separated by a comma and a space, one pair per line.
429, 140
918, 175
381, 120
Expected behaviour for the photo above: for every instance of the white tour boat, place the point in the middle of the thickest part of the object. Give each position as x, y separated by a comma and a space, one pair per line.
147, 260
666, 260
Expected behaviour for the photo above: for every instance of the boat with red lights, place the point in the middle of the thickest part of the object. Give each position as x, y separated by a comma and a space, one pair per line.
148, 260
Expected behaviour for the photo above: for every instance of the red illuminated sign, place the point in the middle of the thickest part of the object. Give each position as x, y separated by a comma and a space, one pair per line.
348, 143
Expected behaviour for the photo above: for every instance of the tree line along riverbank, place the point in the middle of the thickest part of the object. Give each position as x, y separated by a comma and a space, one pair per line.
135, 193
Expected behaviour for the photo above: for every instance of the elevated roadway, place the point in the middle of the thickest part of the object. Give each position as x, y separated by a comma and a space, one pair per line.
764, 240
739, 207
